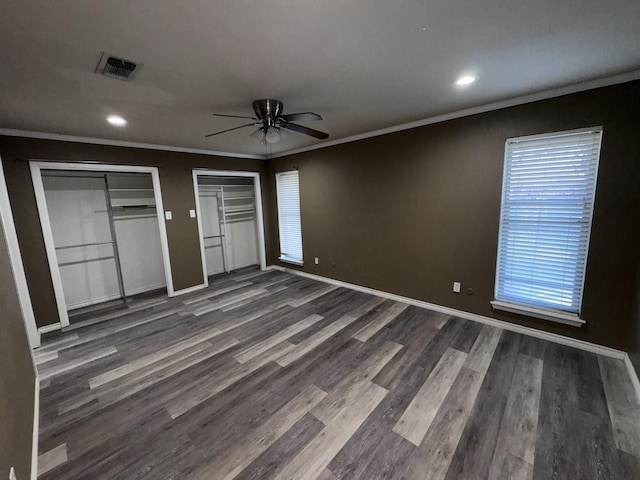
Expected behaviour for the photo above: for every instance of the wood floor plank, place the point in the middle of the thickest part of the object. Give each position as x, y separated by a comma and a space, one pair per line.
483, 349
518, 431
49, 371
622, 404
473, 457
315, 457
467, 336
45, 357
229, 466
52, 459
571, 442
150, 390
628, 465
312, 342
137, 380
432, 459
147, 360
209, 293
389, 460
219, 304
260, 347
352, 385
326, 475
417, 418
366, 332
284, 450
203, 392
312, 296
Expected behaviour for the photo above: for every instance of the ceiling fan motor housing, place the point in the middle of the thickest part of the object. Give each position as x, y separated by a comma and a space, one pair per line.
267, 109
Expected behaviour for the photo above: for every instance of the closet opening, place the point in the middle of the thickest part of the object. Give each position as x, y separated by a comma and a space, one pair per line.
230, 222
104, 233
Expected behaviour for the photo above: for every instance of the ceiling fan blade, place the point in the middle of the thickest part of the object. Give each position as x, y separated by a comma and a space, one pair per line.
232, 116
306, 130
300, 117
230, 129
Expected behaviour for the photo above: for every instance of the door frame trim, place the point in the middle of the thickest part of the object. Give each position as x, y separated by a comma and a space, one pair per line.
17, 265
257, 187
36, 167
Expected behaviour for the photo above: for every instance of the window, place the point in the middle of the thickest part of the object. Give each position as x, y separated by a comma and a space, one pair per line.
545, 220
288, 192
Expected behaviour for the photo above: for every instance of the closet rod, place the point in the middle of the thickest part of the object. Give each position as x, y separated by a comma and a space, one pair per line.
81, 245
78, 262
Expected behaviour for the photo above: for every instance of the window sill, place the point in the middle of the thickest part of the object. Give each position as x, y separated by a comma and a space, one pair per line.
291, 260
538, 312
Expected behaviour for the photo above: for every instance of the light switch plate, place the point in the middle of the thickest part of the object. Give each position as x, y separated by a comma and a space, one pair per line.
192, 213
317, 261
456, 287
168, 215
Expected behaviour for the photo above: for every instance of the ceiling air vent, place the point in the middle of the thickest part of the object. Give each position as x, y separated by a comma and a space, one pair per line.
115, 67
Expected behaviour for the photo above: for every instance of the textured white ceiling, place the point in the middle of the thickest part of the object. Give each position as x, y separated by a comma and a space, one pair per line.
362, 65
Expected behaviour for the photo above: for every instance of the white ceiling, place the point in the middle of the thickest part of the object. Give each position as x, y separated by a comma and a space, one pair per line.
362, 65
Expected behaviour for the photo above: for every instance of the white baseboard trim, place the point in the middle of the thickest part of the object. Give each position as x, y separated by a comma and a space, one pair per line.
50, 328
532, 332
36, 428
189, 290
632, 375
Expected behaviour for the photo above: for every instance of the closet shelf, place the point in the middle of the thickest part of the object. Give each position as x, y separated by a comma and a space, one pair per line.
232, 209
133, 206
84, 245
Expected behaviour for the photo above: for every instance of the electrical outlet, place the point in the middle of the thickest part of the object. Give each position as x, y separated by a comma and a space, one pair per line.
456, 287
168, 215
192, 213
316, 261
12, 474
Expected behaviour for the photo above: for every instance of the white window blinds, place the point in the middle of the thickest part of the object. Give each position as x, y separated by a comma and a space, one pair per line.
288, 192
545, 221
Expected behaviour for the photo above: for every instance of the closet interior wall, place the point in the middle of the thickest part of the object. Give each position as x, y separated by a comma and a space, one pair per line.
229, 223
106, 234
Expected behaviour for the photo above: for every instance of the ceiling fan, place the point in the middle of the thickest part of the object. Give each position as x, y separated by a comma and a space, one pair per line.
270, 121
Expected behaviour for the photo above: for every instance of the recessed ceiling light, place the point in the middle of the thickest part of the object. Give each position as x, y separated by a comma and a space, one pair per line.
465, 80
116, 120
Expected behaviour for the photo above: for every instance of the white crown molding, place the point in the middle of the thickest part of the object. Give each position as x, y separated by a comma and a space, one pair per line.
513, 327
120, 143
511, 102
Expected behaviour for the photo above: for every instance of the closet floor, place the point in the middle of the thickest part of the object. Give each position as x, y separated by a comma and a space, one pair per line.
268, 375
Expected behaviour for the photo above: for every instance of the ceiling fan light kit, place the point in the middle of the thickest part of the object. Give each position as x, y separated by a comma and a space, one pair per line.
269, 119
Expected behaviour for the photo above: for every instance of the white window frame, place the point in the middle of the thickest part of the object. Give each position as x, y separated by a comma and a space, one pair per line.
284, 257
552, 314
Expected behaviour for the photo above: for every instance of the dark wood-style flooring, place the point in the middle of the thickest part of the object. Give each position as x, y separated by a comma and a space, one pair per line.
267, 375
